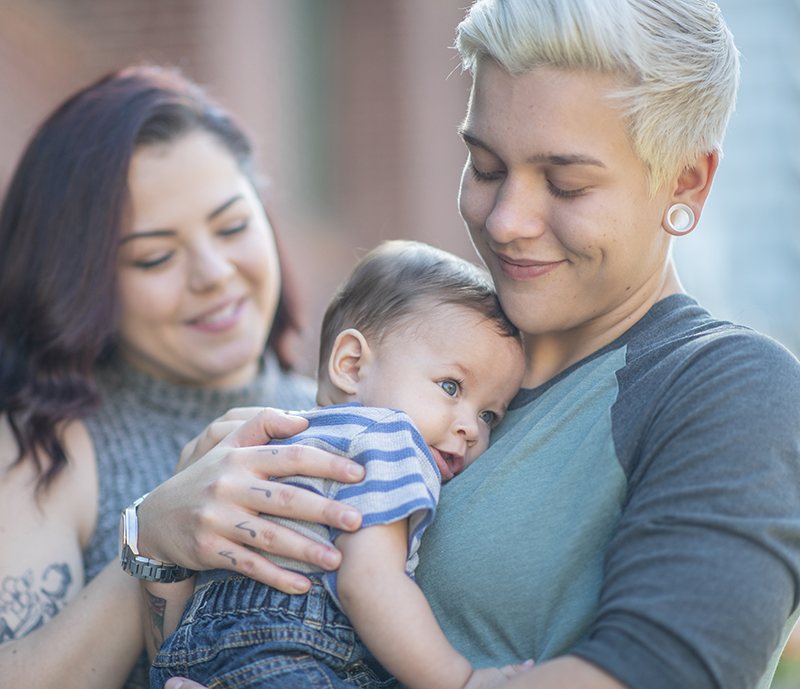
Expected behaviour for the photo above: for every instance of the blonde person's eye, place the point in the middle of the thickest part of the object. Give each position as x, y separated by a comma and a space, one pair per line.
488, 417
564, 193
449, 386
485, 176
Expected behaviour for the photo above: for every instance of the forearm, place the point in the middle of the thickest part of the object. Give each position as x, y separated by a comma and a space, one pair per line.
163, 607
393, 616
390, 612
92, 643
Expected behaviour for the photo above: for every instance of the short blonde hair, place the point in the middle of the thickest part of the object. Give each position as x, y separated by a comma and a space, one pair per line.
677, 60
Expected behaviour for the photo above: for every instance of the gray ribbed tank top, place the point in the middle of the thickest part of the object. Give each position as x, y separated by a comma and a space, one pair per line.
139, 431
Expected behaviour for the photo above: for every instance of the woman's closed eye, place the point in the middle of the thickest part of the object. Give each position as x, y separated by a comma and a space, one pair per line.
148, 264
234, 229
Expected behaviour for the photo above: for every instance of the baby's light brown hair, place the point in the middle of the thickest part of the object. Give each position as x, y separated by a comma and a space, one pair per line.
400, 281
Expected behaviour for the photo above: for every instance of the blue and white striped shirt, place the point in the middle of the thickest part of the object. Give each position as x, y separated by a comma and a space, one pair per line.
401, 481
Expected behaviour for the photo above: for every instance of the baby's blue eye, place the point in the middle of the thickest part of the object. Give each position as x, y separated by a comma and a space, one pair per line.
487, 417
450, 387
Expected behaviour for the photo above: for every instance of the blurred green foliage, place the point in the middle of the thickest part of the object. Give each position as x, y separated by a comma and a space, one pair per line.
787, 676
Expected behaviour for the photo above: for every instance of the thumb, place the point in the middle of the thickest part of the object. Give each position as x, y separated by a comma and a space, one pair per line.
182, 683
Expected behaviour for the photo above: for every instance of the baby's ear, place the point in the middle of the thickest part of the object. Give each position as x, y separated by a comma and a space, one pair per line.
349, 355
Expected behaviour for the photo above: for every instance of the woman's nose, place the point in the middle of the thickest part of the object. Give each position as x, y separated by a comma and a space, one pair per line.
209, 268
516, 212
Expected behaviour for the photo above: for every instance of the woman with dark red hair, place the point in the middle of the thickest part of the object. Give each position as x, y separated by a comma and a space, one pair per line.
141, 296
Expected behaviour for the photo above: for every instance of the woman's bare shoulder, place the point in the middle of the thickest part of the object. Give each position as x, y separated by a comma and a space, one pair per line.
42, 534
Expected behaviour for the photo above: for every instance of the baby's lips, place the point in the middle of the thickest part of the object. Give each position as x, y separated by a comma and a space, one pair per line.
444, 468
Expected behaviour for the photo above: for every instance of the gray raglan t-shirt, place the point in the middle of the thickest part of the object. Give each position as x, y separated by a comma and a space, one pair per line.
641, 510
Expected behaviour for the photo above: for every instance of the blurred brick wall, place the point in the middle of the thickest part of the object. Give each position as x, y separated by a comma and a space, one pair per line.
348, 101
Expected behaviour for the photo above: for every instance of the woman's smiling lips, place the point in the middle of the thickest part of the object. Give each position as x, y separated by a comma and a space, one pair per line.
525, 269
219, 318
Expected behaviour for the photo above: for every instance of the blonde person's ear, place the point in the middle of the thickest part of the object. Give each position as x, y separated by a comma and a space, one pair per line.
349, 356
689, 195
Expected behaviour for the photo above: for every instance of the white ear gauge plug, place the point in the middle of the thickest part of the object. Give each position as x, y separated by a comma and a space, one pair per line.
680, 218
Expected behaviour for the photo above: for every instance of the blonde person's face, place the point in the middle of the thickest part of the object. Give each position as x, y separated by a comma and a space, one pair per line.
198, 270
453, 374
557, 203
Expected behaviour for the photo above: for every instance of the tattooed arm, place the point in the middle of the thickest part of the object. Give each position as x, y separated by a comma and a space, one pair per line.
163, 606
91, 636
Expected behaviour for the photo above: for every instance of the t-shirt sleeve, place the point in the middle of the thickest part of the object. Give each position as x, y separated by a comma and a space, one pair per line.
401, 479
702, 572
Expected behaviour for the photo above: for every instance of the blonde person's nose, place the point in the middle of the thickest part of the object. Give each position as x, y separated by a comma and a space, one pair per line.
208, 269
515, 214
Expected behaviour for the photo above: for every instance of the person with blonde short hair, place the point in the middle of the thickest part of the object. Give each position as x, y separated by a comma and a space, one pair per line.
635, 521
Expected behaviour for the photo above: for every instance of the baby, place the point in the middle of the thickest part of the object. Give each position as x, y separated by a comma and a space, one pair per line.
413, 329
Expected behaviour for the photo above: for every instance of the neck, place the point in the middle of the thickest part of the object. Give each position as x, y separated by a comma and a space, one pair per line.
548, 354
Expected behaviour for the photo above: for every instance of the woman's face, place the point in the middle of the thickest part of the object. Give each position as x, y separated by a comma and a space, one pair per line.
198, 270
557, 204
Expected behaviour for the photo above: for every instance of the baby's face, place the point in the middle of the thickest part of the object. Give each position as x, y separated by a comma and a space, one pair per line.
453, 374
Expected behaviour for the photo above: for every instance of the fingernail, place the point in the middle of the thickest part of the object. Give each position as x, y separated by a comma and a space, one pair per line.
174, 683
301, 585
355, 470
350, 518
330, 560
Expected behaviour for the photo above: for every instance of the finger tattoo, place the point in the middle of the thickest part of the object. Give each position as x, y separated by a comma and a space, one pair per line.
243, 526
227, 553
266, 491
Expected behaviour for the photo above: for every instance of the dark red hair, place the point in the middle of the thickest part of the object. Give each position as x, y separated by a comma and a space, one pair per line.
60, 226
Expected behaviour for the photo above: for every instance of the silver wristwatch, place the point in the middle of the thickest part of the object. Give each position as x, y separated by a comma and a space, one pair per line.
137, 565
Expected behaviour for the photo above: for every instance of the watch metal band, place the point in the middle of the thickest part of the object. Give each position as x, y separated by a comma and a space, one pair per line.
153, 570
138, 566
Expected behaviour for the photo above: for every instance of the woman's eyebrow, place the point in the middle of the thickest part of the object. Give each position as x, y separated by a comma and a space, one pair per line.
552, 159
213, 214
147, 233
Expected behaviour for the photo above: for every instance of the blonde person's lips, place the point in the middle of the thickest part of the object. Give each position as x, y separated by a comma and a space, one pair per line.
449, 463
525, 269
219, 318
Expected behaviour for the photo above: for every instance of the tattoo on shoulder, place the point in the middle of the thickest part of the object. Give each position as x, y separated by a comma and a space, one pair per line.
27, 604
